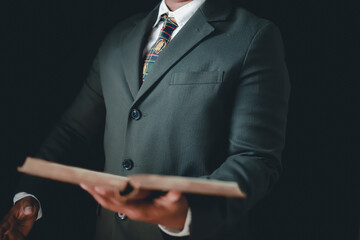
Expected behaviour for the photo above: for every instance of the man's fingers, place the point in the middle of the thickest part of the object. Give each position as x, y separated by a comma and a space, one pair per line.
104, 192
84, 186
13, 235
3, 229
109, 195
171, 196
98, 190
102, 198
159, 210
90, 189
106, 198
16, 224
103, 202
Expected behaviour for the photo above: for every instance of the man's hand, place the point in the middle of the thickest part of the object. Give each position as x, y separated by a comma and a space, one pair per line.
18, 222
168, 210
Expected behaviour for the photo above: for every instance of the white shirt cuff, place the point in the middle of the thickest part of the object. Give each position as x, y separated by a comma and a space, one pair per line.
176, 232
21, 195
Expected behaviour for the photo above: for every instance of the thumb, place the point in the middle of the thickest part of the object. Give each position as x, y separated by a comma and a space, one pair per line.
28, 210
173, 196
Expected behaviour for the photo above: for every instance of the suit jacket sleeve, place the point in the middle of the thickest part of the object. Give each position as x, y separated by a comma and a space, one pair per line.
78, 127
256, 139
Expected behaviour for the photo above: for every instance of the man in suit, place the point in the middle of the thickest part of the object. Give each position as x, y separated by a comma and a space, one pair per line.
209, 101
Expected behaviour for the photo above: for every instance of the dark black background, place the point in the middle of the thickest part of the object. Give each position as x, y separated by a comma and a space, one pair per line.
47, 46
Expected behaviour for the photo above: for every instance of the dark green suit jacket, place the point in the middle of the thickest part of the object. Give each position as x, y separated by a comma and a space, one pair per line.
214, 105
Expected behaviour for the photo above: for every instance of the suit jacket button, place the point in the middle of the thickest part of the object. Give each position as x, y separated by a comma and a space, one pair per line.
135, 114
120, 216
128, 164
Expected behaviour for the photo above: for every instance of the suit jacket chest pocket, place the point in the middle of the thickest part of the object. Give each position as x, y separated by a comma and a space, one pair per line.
194, 78
192, 93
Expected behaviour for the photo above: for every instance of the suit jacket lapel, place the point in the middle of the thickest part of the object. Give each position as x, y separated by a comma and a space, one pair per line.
196, 29
132, 49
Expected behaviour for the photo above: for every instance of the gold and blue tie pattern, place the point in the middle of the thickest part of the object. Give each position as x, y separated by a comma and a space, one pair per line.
164, 38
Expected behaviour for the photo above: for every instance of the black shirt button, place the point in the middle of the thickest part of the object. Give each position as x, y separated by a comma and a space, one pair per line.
135, 114
128, 164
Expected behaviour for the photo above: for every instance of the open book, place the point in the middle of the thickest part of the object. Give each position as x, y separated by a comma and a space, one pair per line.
130, 184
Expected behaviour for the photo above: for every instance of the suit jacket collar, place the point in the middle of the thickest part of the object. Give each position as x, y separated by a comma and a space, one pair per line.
195, 30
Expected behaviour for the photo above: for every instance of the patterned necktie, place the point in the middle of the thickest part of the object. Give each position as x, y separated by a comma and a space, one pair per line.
164, 37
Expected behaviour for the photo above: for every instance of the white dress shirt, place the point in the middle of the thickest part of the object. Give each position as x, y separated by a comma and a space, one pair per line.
181, 16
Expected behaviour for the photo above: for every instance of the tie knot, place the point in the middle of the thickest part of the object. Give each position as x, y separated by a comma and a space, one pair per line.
169, 20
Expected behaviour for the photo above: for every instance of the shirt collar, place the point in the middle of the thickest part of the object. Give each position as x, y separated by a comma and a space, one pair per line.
181, 15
